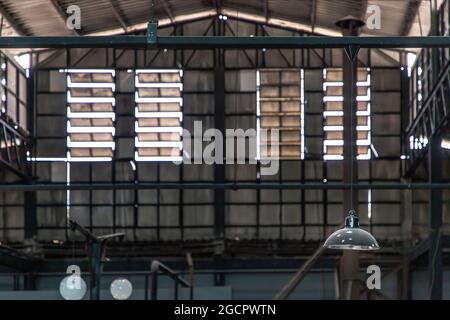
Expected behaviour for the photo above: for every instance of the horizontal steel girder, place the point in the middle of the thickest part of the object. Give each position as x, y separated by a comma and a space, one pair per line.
226, 186
207, 42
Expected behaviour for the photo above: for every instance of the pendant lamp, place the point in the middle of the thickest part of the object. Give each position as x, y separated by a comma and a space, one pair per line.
351, 237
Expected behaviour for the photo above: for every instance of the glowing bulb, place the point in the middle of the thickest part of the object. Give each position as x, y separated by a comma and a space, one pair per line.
121, 289
72, 287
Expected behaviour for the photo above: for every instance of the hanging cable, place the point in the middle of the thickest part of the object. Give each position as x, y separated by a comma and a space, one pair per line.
351, 60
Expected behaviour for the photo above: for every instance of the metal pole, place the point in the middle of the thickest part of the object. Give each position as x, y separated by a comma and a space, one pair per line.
175, 291
146, 288
154, 284
95, 267
190, 263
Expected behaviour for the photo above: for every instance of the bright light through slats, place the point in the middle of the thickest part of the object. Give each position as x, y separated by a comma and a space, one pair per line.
158, 114
91, 115
280, 103
334, 115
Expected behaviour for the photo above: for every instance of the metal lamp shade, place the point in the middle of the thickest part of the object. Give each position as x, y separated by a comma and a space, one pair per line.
351, 237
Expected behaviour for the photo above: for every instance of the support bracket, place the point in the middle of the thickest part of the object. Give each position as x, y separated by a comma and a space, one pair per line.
152, 31
352, 52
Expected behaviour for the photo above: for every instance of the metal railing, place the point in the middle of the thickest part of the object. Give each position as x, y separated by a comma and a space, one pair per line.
158, 267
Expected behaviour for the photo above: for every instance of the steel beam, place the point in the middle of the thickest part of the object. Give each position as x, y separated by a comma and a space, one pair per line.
18, 27
62, 14
435, 254
418, 251
13, 156
118, 14
211, 42
224, 186
313, 14
266, 10
17, 260
287, 289
218, 6
168, 10
413, 10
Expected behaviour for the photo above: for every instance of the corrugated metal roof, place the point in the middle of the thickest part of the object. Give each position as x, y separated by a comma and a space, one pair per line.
35, 17
46, 17
329, 11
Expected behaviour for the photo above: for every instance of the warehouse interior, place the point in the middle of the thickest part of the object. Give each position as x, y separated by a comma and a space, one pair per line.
96, 177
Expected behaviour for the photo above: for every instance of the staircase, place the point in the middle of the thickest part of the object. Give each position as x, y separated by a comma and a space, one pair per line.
432, 118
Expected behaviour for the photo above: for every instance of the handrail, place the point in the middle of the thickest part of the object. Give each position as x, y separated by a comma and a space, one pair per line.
428, 100
97, 250
158, 266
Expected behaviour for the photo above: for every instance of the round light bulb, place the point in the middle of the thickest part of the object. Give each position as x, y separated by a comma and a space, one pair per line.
121, 289
72, 287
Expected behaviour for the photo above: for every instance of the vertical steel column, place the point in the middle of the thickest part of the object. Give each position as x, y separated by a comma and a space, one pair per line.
30, 216
349, 264
405, 109
406, 196
154, 284
30, 211
219, 124
404, 281
434, 31
96, 254
435, 254
219, 169
435, 176
29, 281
